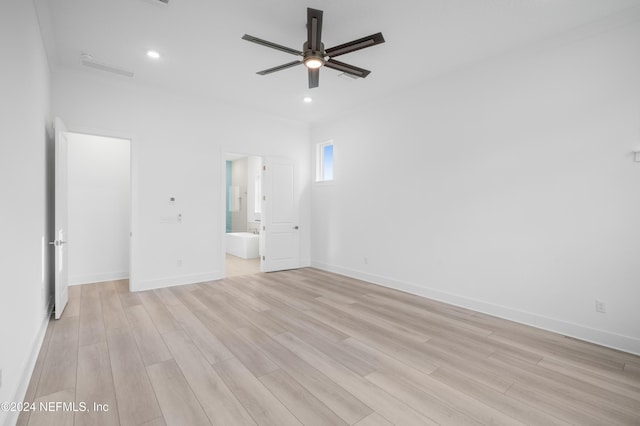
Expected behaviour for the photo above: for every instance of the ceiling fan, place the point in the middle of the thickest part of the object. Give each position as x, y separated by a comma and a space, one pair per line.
313, 53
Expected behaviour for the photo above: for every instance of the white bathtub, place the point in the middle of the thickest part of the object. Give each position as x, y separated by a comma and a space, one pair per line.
243, 244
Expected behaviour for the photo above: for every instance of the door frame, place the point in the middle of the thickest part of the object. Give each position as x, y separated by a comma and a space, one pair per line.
59, 258
224, 153
133, 187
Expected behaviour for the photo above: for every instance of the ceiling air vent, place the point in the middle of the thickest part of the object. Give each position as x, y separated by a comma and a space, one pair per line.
160, 3
88, 61
347, 76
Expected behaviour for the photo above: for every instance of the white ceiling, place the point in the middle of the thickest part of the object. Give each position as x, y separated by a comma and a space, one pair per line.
202, 51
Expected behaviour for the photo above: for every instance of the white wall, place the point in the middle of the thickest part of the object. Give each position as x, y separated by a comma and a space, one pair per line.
254, 169
177, 151
508, 188
99, 208
25, 123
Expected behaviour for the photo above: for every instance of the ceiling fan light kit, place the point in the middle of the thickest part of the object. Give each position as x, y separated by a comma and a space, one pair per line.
314, 55
313, 59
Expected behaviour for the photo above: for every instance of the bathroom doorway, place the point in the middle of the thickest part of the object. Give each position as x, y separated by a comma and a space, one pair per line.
243, 189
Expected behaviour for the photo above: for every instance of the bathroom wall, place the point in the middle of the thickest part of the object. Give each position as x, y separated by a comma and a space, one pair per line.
228, 201
243, 175
239, 194
254, 170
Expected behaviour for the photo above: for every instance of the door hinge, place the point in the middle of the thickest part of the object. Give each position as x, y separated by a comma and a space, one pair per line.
264, 228
264, 198
264, 168
263, 258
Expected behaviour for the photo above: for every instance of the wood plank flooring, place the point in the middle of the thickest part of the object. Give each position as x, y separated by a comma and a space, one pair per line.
237, 266
314, 348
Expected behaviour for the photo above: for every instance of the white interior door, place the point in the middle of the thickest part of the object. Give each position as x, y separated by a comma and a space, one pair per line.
280, 206
60, 242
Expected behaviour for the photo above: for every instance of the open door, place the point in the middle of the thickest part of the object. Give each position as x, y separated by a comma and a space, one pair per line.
280, 233
60, 243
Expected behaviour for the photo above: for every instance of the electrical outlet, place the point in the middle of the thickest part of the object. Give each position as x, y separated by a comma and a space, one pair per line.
601, 307
179, 262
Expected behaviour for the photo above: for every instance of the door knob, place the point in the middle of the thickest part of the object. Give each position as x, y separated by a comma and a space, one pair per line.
295, 227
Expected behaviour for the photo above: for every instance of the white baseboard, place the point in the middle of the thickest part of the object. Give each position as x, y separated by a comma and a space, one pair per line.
600, 337
304, 263
142, 285
12, 416
98, 278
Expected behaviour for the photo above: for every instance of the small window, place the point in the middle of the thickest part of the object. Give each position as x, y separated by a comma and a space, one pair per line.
324, 162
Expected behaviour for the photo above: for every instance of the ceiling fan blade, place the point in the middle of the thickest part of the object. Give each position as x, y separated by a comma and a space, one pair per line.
346, 68
314, 29
279, 68
354, 45
314, 77
271, 45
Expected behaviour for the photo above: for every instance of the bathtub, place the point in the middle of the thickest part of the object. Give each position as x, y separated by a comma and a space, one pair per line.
243, 244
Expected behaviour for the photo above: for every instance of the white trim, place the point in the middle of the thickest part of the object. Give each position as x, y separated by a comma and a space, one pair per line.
97, 278
178, 280
592, 335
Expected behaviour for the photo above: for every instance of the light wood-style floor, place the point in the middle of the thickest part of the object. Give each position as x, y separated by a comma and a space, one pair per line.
237, 266
314, 348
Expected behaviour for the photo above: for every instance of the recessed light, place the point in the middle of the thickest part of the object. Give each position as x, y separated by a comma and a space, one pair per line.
307, 99
153, 54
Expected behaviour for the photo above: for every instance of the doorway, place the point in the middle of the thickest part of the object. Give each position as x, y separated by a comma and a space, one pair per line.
243, 214
99, 208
